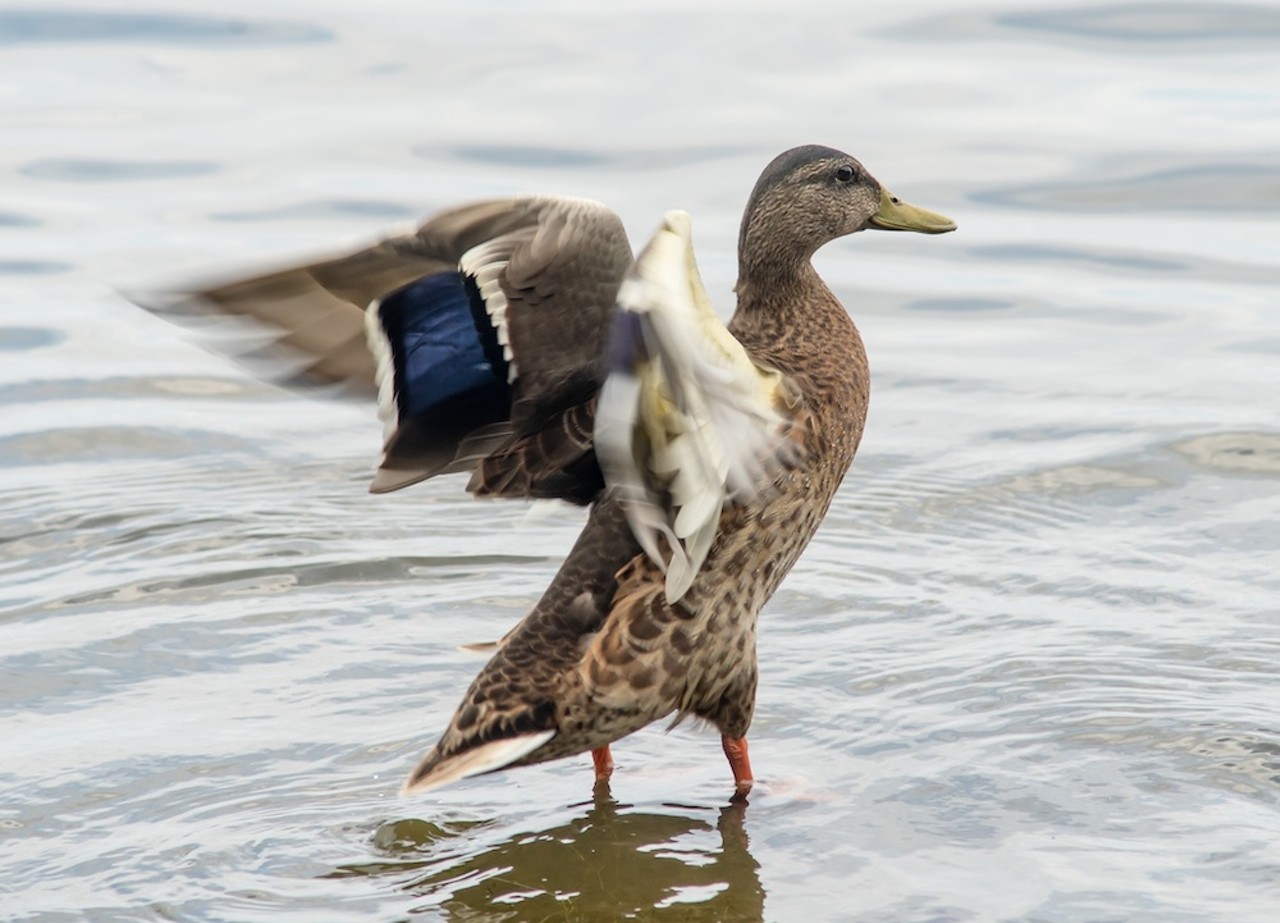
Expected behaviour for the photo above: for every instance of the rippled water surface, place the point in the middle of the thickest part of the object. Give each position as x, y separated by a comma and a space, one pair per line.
1029, 668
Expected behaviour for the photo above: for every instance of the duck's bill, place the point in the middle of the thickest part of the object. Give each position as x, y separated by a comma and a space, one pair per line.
897, 215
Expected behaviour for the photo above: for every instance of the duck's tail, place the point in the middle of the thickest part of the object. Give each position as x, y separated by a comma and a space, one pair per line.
436, 771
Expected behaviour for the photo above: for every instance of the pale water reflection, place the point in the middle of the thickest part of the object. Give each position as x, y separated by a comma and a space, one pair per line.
1028, 670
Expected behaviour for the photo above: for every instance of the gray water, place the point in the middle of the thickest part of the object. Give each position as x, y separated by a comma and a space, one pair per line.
1027, 670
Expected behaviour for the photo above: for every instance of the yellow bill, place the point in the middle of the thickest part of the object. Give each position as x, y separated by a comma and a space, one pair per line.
897, 215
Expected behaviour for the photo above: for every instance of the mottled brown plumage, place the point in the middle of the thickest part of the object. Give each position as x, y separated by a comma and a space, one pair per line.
612, 645
603, 653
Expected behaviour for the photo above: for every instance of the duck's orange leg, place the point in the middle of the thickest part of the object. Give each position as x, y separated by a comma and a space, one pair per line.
735, 748
603, 760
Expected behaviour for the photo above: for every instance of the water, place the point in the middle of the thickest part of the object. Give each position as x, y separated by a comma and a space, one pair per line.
1027, 671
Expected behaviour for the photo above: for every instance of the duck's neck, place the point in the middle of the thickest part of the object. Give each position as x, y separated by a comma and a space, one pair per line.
764, 288
784, 308
772, 259
795, 324
782, 298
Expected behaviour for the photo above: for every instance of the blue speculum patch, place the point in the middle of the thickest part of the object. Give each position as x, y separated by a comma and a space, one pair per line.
626, 347
438, 344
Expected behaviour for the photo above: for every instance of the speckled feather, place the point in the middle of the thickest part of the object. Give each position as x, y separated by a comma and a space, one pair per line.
603, 654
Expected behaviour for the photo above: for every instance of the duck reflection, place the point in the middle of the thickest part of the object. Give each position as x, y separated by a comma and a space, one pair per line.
612, 862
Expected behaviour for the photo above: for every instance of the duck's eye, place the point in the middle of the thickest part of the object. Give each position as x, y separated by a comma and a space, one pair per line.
846, 173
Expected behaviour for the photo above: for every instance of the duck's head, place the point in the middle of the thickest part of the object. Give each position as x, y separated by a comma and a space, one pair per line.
809, 196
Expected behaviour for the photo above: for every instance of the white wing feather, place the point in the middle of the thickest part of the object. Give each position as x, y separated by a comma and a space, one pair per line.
687, 421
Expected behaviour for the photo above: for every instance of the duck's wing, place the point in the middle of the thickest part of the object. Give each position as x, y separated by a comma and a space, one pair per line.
687, 422
480, 331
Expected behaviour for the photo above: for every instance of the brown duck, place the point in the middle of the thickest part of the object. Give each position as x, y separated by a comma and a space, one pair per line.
519, 340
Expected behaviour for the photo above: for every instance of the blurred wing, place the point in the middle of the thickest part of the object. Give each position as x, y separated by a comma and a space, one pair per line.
687, 422
305, 325
480, 331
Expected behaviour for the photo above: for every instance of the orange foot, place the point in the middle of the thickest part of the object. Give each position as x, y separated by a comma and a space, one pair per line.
603, 760
736, 750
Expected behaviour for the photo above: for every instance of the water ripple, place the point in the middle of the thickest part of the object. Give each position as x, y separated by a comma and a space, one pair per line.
21, 339
110, 442
1160, 24
323, 209
533, 157
1118, 28
57, 26
1256, 454
84, 170
16, 220
1244, 187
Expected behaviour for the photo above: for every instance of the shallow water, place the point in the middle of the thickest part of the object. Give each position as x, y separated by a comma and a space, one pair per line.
1028, 669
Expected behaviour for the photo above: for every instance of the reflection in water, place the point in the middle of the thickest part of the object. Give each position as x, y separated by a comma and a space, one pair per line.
609, 863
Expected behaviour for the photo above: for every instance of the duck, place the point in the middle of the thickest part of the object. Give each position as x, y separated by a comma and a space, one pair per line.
522, 342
